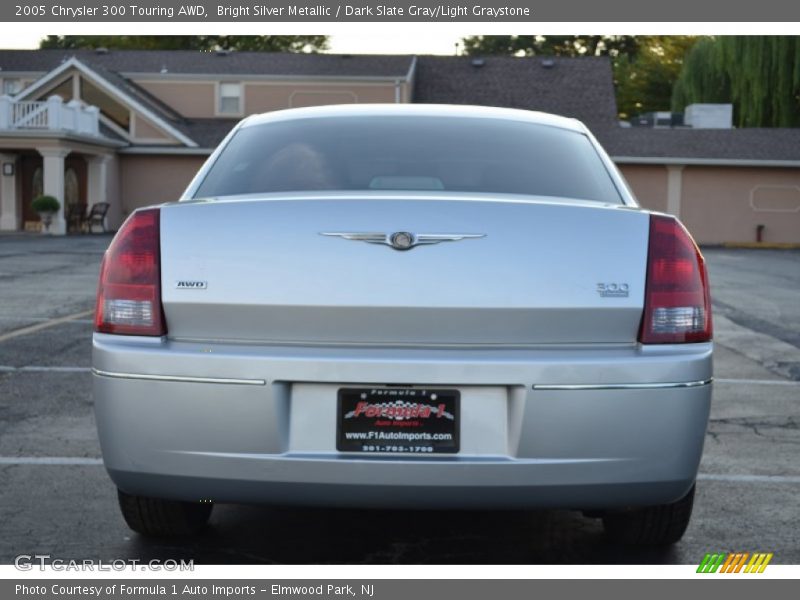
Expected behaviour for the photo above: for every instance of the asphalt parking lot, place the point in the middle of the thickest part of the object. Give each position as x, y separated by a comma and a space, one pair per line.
56, 499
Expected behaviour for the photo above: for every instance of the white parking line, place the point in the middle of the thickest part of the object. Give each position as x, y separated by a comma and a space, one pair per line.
49, 460
40, 320
35, 369
757, 381
39, 326
82, 461
750, 478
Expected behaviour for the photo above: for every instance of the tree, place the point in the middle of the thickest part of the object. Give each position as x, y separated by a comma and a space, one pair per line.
551, 45
645, 79
261, 43
645, 67
760, 75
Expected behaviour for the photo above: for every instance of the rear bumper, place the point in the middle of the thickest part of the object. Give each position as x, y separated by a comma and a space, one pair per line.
572, 427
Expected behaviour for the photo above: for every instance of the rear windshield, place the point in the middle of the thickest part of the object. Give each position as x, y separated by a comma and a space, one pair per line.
410, 153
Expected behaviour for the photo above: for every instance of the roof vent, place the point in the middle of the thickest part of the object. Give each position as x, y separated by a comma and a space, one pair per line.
477, 62
164, 69
548, 63
347, 56
101, 50
222, 52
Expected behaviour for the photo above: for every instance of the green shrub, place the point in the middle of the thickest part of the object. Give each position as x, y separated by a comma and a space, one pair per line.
45, 204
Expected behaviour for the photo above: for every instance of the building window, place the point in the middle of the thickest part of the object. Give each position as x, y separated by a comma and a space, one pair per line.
12, 87
230, 99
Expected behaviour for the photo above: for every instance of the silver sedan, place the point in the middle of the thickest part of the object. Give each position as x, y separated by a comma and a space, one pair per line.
405, 306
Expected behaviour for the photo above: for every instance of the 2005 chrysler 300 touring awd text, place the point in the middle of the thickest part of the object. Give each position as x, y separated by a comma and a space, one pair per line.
405, 306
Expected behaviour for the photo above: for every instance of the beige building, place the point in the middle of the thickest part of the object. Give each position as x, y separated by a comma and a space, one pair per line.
132, 127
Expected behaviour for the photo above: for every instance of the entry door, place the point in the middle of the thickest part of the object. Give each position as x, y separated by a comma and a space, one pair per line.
32, 185
75, 174
74, 187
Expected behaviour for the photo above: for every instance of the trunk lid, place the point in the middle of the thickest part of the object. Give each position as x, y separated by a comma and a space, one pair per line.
259, 270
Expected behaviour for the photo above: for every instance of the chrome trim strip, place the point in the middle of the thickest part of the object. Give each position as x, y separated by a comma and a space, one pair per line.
179, 378
623, 386
540, 387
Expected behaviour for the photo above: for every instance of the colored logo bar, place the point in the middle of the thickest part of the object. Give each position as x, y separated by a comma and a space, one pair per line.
734, 562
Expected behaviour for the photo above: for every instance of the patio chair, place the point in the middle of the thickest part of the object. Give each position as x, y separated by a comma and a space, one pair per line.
76, 216
97, 216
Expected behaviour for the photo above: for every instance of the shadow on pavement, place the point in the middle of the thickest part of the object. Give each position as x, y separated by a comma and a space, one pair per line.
249, 535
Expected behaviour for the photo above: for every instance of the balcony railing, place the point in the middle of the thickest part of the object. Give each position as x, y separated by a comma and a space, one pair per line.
49, 115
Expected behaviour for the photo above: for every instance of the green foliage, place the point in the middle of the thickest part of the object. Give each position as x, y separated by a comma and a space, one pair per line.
700, 73
551, 45
42, 204
760, 75
644, 80
260, 43
645, 67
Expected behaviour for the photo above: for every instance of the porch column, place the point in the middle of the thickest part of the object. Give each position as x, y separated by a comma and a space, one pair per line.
97, 184
54, 184
674, 189
9, 213
5, 111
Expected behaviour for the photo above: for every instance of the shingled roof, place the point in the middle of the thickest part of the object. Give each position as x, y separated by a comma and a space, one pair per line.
583, 88
191, 62
745, 144
574, 87
208, 133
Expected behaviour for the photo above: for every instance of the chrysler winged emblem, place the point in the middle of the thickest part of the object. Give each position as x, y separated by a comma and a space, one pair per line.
402, 240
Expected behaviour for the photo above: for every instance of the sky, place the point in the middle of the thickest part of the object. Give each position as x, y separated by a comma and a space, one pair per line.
402, 44
387, 38
423, 42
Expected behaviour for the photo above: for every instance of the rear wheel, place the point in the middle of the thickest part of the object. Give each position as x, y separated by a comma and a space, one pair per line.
163, 518
651, 525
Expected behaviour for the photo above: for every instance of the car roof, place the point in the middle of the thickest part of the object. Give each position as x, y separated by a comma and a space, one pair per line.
416, 110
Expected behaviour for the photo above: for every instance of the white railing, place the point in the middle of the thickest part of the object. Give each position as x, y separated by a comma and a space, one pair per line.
29, 115
52, 114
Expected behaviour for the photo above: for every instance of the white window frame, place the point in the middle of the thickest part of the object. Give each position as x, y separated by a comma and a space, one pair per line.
240, 111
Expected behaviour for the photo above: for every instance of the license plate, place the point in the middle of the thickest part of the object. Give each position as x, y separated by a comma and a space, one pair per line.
398, 420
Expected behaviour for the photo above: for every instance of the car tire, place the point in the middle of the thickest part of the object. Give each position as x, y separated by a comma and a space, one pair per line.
156, 517
659, 525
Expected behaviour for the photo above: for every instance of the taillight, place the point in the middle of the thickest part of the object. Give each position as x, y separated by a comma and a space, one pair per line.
677, 304
129, 293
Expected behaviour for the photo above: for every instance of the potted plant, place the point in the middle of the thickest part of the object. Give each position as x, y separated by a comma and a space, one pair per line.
46, 206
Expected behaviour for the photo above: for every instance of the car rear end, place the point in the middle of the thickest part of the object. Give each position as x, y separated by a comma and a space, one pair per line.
559, 357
